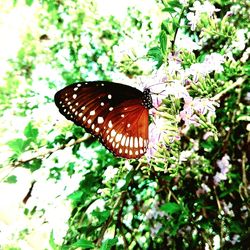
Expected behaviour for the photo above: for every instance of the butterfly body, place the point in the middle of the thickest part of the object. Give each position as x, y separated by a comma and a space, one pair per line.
117, 114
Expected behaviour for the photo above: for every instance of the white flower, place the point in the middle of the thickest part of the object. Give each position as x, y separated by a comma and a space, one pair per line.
184, 155
209, 8
224, 166
241, 40
197, 7
185, 42
184, 2
155, 229
213, 62
110, 173
193, 20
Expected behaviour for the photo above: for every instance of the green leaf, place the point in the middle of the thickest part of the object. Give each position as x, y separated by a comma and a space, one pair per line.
174, 3
33, 165
171, 208
163, 42
30, 132
156, 54
11, 179
18, 145
167, 26
52, 241
102, 216
169, 10
83, 244
107, 244
29, 2
76, 196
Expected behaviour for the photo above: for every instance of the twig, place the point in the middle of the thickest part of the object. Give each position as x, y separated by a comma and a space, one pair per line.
234, 85
109, 220
50, 151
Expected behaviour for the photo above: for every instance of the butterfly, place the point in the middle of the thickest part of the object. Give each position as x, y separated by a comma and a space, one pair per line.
115, 113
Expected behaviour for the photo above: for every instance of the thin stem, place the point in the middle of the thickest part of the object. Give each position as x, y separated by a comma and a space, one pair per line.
234, 85
177, 28
50, 151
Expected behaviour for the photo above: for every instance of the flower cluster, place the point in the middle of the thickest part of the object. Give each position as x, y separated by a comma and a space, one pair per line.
197, 106
196, 11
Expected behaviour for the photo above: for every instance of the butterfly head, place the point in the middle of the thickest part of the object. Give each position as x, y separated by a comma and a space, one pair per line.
147, 101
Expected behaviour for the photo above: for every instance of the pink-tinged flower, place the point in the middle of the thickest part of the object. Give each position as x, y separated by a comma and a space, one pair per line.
189, 117
207, 135
155, 137
224, 166
197, 70
213, 63
155, 229
195, 106
203, 189
204, 106
174, 63
227, 208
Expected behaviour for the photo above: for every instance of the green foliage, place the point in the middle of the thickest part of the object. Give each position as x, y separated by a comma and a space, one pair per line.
11, 179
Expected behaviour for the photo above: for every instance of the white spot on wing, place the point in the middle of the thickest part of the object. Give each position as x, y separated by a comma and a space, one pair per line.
110, 125
140, 142
80, 114
111, 108
136, 142
75, 89
109, 96
89, 121
100, 120
118, 137
102, 103
74, 96
113, 133
131, 143
127, 141
123, 140
128, 125
92, 112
